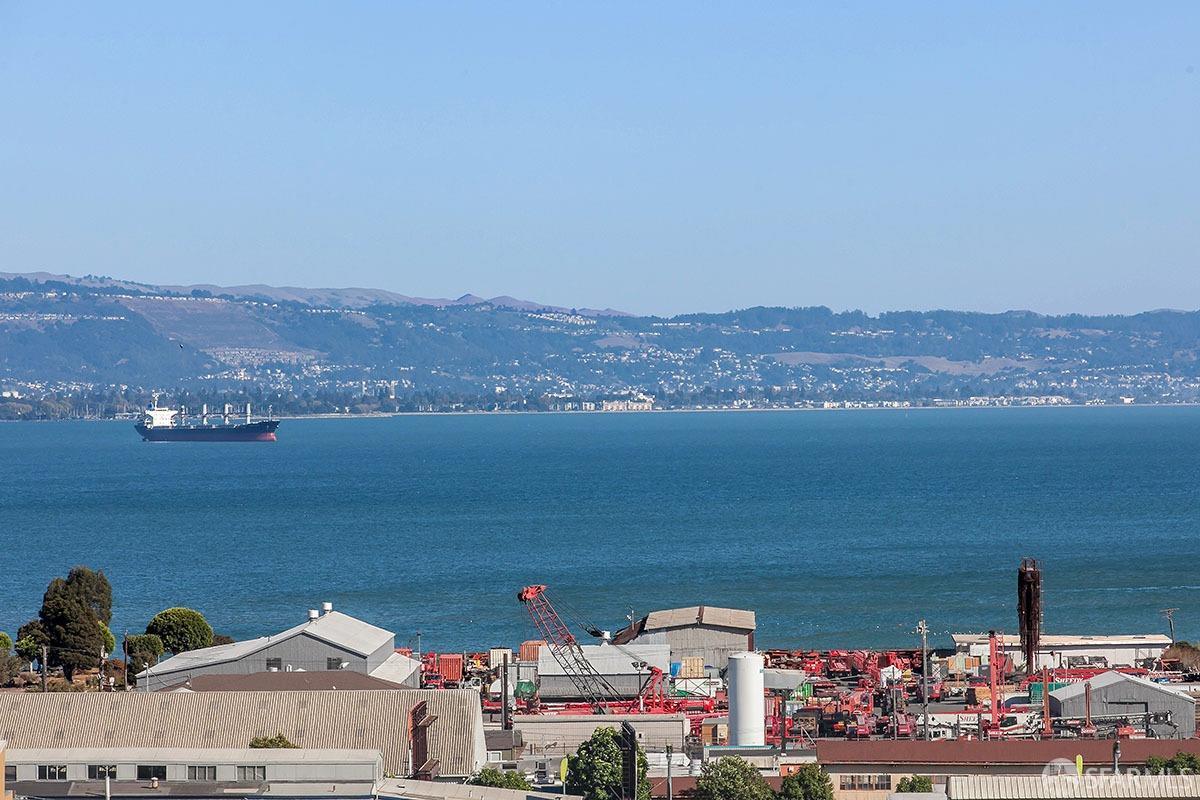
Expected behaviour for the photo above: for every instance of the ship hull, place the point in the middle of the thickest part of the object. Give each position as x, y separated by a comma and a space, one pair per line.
250, 432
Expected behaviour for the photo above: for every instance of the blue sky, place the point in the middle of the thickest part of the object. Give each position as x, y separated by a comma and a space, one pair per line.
659, 157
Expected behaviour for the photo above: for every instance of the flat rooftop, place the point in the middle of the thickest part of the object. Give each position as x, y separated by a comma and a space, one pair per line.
1050, 642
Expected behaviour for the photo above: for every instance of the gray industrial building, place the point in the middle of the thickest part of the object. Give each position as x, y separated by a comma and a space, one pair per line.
374, 719
560, 734
328, 641
193, 772
616, 664
1116, 695
708, 632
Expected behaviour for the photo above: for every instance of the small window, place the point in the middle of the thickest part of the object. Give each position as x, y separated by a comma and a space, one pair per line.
146, 772
10, 773
202, 773
98, 772
866, 782
333, 663
251, 774
52, 772
275, 664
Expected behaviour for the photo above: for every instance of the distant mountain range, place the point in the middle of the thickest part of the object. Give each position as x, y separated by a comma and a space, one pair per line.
64, 336
351, 297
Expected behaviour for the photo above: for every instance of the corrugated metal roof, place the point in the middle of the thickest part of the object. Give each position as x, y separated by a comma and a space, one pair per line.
701, 615
372, 720
332, 680
398, 668
179, 755
428, 790
334, 627
1069, 787
611, 660
1112, 678
1014, 751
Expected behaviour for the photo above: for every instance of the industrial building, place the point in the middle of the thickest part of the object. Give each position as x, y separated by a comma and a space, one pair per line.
707, 632
556, 735
360, 720
1063, 652
5, 792
1070, 787
194, 772
408, 789
1161, 712
625, 668
871, 770
339, 680
323, 642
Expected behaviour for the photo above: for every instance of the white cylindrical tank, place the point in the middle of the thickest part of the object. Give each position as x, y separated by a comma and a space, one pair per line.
747, 706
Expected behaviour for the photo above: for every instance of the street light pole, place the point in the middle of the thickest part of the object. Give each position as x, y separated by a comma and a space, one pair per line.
923, 629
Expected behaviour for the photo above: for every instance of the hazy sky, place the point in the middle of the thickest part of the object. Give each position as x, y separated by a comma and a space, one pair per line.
653, 157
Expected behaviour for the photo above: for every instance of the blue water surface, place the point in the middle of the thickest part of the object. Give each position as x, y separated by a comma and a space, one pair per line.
838, 528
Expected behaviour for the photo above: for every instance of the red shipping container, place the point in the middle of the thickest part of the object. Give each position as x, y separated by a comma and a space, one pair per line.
529, 650
450, 666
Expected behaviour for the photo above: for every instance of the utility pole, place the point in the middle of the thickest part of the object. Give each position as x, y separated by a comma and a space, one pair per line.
45, 665
125, 652
505, 721
923, 629
670, 749
1169, 613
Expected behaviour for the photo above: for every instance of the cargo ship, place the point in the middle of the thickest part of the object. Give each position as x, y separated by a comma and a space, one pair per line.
170, 425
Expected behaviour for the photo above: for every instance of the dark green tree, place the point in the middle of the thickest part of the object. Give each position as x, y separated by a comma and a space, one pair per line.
595, 769
75, 637
731, 778
915, 784
181, 630
93, 588
810, 782
276, 742
35, 631
220, 638
142, 650
490, 776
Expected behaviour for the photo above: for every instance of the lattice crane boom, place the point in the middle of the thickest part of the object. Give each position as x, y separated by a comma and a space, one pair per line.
566, 650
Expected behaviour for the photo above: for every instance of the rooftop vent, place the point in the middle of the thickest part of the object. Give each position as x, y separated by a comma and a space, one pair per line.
326, 607
312, 614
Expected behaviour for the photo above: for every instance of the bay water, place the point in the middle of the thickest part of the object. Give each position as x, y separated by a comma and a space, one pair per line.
841, 529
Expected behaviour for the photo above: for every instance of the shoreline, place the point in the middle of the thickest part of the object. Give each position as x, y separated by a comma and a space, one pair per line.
391, 414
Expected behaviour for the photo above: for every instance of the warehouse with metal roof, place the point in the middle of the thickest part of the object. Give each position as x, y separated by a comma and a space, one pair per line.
362, 720
709, 632
1161, 712
625, 668
325, 642
194, 772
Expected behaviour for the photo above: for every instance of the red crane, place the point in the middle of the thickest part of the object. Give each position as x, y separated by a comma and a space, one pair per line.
566, 650
595, 688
